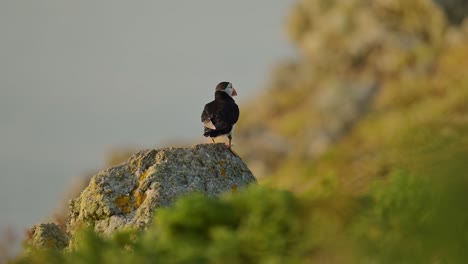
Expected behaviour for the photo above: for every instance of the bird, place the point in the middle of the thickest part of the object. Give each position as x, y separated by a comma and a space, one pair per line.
220, 115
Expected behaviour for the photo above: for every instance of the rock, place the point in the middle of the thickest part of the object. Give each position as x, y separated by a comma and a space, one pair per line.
114, 157
127, 195
387, 37
48, 236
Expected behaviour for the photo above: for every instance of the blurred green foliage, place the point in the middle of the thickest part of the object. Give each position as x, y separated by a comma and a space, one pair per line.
415, 219
260, 226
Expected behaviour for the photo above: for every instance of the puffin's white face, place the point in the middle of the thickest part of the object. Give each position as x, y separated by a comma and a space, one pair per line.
230, 90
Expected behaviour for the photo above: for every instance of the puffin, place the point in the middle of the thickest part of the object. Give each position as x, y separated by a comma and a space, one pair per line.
220, 115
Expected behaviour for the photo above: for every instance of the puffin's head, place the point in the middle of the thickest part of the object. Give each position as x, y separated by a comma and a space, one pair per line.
227, 88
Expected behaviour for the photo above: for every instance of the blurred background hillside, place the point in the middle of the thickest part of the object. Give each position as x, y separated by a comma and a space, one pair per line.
369, 115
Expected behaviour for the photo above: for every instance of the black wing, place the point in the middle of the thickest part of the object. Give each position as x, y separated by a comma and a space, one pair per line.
232, 113
226, 116
208, 114
223, 115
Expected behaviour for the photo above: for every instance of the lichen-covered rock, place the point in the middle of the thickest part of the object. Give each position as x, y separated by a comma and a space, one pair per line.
127, 195
48, 236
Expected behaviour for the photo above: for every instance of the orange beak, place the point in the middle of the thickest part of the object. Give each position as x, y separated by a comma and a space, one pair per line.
234, 92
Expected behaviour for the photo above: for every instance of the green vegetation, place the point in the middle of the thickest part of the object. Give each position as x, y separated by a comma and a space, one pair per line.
261, 225
417, 219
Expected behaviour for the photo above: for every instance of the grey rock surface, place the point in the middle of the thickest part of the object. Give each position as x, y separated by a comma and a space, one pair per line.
48, 236
127, 195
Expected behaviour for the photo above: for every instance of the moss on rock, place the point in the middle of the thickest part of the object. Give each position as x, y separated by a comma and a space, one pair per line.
47, 236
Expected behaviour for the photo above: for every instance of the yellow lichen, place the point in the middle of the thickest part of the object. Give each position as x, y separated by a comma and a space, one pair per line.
223, 172
123, 202
139, 198
234, 189
137, 193
221, 162
144, 175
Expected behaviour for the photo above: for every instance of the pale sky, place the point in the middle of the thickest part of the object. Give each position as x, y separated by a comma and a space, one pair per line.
80, 77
